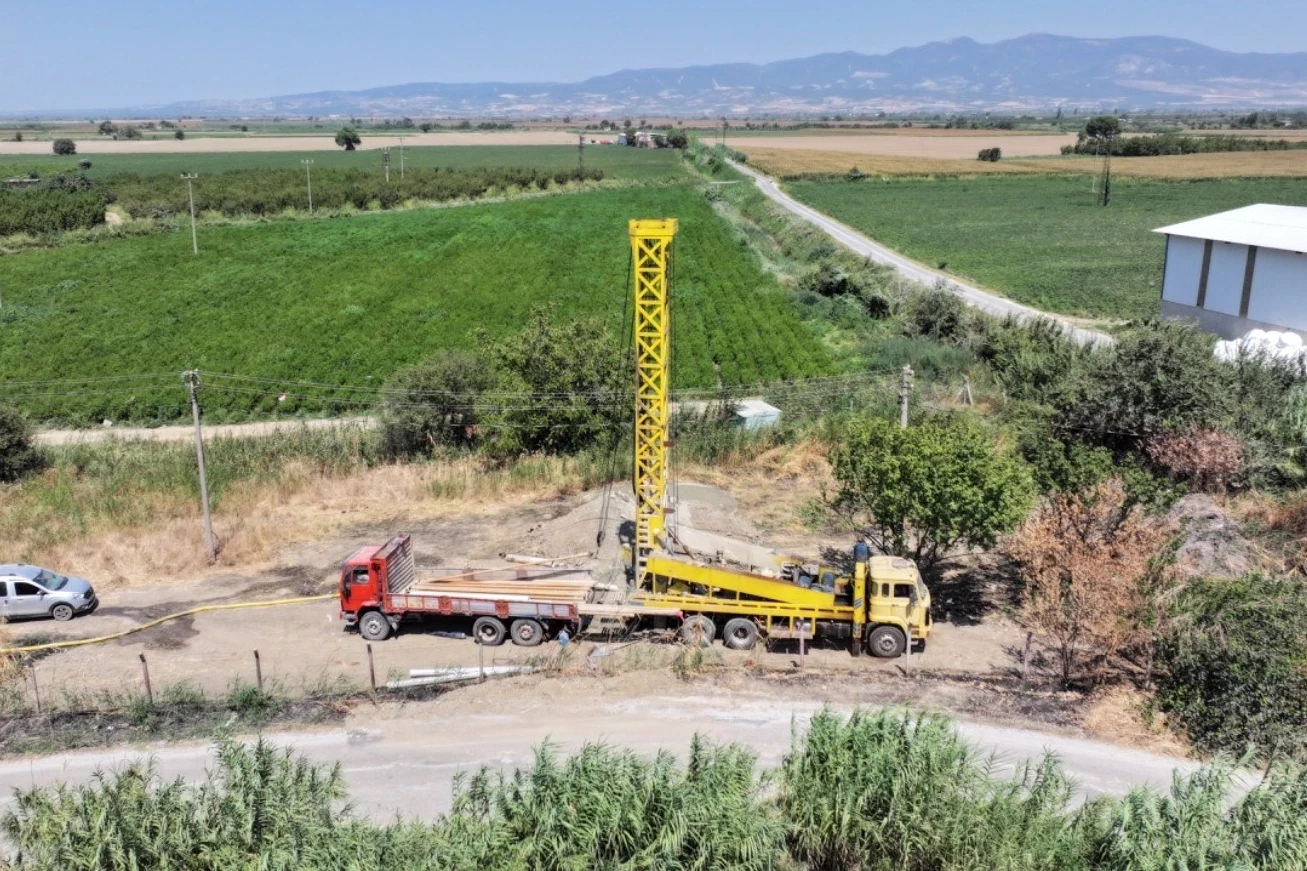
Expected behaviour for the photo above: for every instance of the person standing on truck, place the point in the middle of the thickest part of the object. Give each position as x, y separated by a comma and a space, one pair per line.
861, 550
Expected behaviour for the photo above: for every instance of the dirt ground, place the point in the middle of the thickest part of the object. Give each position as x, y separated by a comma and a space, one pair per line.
963, 146
785, 161
201, 144
305, 645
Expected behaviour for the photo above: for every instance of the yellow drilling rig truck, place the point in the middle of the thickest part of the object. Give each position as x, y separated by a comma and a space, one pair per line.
715, 586
730, 588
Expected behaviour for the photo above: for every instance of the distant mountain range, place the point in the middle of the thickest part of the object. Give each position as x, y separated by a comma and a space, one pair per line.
1035, 72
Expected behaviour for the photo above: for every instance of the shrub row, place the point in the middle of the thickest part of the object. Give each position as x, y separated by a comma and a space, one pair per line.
1171, 143
873, 792
269, 191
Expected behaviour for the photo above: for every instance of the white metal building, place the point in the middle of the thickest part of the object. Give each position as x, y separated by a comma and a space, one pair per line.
1239, 270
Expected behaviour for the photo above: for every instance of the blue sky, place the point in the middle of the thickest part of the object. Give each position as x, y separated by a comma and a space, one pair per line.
76, 54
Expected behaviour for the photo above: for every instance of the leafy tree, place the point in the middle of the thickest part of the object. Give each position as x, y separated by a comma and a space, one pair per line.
1102, 128
108, 128
18, 136
18, 456
924, 491
1235, 665
677, 138
65, 146
347, 139
1090, 566
130, 132
179, 134
436, 404
570, 382
990, 155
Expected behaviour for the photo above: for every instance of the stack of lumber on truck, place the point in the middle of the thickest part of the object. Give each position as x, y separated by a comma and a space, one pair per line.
515, 583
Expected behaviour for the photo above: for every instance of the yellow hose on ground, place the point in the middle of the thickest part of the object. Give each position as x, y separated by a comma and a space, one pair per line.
231, 606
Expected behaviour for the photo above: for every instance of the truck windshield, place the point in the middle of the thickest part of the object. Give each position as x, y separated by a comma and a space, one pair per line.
50, 580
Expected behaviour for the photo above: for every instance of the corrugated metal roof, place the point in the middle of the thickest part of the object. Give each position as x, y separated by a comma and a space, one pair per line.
1263, 225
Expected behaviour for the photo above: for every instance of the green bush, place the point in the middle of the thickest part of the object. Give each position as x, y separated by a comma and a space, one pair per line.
64, 147
937, 314
1235, 665
436, 404
18, 456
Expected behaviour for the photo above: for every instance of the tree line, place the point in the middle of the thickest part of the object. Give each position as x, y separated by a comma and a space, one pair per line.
72, 202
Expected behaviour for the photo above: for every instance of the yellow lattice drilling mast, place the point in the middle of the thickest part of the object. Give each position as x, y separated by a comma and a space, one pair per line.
717, 584
651, 248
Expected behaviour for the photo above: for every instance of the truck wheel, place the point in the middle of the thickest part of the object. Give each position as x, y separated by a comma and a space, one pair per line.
887, 642
61, 612
698, 631
740, 633
489, 631
374, 626
527, 633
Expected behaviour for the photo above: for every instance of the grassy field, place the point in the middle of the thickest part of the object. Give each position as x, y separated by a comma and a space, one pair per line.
349, 301
616, 162
1041, 239
786, 163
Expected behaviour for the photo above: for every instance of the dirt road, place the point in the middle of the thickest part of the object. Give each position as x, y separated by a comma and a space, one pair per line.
867, 247
187, 433
402, 759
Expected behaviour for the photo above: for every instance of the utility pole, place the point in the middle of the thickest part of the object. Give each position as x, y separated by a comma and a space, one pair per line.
308, 174
385, 161
191, 377
190, 192
401, 158
905, 389
580, 156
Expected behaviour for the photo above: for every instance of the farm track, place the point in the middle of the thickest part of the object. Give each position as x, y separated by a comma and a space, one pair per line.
54, 437
858, 243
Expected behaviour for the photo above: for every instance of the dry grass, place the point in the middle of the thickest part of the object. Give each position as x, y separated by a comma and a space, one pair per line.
1245, 164
913, 144
259, 519
772, 485
1122, 715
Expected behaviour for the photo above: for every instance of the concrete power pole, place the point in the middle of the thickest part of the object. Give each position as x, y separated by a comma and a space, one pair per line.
190, 192
192, 380
401, 158
308, 174
905, 390
580, 156
385, 161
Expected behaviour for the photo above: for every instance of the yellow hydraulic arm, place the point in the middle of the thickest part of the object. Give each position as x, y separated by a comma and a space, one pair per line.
651, 243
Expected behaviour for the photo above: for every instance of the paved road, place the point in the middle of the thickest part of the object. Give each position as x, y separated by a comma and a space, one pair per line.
860, 244
404, 761
187, 433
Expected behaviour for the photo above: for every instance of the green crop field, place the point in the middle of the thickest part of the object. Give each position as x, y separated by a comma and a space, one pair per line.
615, 161
1041, 240
348, 301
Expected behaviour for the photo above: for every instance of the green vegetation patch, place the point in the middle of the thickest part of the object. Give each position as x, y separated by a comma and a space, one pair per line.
1041, 240
351, 301
615, 161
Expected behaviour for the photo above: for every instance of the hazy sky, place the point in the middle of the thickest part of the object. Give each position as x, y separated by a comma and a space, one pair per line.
78, 54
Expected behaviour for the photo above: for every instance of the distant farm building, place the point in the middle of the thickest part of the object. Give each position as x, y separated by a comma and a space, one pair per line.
1238, 271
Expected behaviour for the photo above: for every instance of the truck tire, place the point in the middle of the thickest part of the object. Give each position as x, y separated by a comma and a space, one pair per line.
374, 626
489, 631
740, 633
698, 631
886, 642
62, 612
527, 632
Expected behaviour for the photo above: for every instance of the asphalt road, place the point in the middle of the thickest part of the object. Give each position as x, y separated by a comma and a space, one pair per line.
403, 760
867, 247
